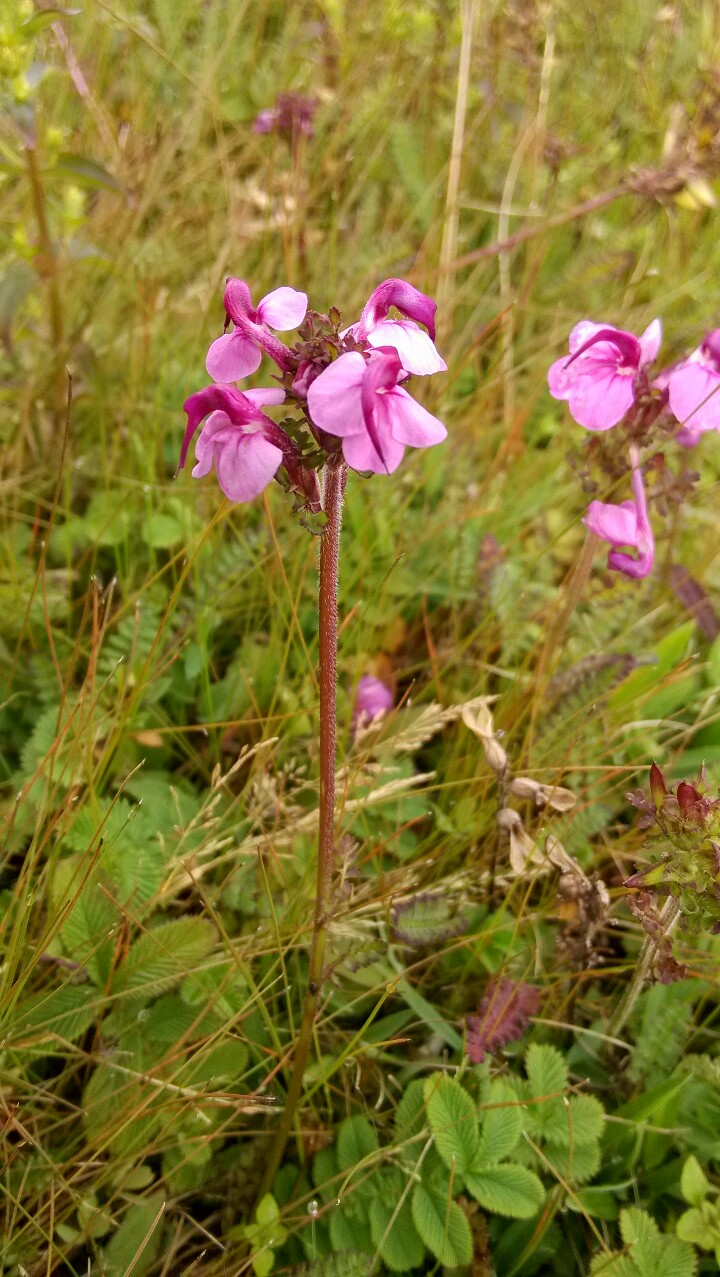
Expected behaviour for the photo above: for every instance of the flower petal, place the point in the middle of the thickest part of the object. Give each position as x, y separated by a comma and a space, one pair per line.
695, 396
232, 357
650, 342
204, 444
407, 421
265, 395
245, 465
417, 352
283, 309
360, 454
617, 524
335, 397
600, 398
405, 298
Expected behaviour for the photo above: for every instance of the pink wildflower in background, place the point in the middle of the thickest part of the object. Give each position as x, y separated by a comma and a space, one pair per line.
598, 380
291, 116
238, 354
358, 399
626, 524
694, 387
372, 698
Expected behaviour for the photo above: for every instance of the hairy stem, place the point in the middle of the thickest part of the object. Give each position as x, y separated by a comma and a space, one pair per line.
334, 486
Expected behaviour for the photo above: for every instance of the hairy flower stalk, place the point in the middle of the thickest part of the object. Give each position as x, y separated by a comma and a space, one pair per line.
333, 487
348, 387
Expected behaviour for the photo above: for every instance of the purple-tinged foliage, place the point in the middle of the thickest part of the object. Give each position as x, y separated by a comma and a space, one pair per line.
503, 1016
686, 854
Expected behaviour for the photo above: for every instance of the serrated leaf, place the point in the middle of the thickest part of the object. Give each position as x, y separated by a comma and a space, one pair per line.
400, 1245
135, 1244
356, 1141
163, 956
442, 1226
65, 1013
546, 1085
653, 1253
576, 1164
325, 1174
584, 1123
349, 1224
506, 1190
87, 929
453, 1122
500, 1127
411, 1113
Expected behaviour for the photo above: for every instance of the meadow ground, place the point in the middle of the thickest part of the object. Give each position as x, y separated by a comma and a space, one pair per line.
159, 647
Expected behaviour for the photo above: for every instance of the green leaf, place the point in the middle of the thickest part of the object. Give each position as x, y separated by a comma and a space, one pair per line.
356, 1141
161, 531
65, 1013
694, 1185
399, 1245
134, 1246
267, 1210
576, 1163
411, 1113
691, 1227
501, 1127
453, 1122
429, 1015
547, 1083
16, 284
506, 1190
82, 171
442, 1226
585, 1121
349, 1224
163, 956
44, 18
653, 1254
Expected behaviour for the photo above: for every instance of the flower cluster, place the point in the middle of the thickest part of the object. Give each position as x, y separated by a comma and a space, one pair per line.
348, 385
687, 860
606, 382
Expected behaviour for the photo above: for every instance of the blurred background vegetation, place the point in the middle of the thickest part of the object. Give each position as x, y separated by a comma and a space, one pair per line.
158, 645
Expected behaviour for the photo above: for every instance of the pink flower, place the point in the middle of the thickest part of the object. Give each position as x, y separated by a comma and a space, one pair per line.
358, 399
625, 524
693, 390
598, 379
244, 445
238, 354
372, 698
416, 349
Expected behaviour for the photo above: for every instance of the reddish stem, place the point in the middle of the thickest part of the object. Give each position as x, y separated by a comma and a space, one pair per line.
334, 485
